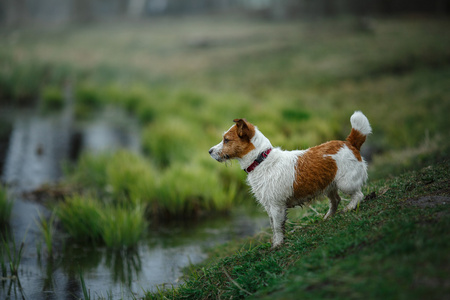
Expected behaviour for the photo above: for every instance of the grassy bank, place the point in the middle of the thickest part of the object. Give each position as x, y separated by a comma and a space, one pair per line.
395, 246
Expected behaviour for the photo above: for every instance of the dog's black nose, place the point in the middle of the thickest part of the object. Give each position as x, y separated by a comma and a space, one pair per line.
210, 151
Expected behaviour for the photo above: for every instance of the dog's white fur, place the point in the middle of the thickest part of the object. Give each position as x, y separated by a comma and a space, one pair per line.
272, 182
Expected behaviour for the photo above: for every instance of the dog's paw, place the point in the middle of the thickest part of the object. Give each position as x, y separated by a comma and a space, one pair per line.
276, 246
350, 208
329, 214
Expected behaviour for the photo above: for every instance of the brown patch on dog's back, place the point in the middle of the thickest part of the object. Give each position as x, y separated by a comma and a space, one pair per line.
315, 170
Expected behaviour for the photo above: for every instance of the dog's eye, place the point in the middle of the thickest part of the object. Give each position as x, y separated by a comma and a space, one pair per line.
225, 140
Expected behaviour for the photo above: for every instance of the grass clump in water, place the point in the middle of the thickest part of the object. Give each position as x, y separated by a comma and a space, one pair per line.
190, 189
167, 141
88, 98
123, 227
111, 208
81, 217
127, 180
52, 98
129, 176
89, 172
89, 219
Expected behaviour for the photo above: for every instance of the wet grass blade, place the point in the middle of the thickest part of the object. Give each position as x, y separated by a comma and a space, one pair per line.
13, 256
86, 292
47, 230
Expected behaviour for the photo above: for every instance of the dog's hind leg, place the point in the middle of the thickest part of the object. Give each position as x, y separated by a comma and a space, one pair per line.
334, 198
356, 198
278, 219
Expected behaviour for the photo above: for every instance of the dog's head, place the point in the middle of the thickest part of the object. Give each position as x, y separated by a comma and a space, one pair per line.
236, 142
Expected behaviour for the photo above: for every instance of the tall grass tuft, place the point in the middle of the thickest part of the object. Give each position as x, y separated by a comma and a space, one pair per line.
81, 217
89, 172
5, 206
89, 219
168, 140
88, 98
130, 178
191, 189
52, 98
115, 221
122, 227
47, 229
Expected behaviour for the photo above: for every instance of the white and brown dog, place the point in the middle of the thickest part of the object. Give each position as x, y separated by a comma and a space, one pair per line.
283, 179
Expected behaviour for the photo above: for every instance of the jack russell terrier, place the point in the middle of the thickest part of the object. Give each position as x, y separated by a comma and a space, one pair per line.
284, 179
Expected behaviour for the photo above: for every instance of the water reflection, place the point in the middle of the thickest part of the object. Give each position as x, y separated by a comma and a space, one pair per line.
14, 288
39, 143
125, 266
37, 146
112, 129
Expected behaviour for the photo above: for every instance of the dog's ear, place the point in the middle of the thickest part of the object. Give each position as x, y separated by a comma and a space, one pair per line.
243, 128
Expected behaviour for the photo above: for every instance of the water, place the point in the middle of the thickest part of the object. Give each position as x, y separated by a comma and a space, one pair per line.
34, 146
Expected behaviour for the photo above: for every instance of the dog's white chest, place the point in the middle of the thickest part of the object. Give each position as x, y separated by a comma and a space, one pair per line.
272, 181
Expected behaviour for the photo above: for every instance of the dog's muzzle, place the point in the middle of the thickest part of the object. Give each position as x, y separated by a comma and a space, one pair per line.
216, 156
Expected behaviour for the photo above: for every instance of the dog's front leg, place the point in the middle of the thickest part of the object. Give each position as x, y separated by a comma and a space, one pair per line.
277, 216
269, 213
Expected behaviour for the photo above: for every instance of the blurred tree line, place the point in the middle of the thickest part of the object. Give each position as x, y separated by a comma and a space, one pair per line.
23, 12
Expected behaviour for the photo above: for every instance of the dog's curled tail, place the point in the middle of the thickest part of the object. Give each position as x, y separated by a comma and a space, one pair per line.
360, 129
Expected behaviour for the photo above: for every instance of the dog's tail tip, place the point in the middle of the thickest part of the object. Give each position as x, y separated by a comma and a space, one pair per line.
360, 129
360, 122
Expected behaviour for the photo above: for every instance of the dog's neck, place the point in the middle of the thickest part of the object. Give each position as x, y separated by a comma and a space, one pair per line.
261, 144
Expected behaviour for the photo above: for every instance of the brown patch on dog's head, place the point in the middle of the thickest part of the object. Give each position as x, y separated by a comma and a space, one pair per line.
237, 140
245, 130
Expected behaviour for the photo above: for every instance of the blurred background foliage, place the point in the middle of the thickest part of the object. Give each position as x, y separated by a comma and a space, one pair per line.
186, 69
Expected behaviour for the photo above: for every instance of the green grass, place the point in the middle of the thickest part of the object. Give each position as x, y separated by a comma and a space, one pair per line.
88, 99
111, 206
81, 217
23, 78
390, 247
117, 194
5, 206
129, 177
86, 291
47, 229
52, 98
123, 228
11, 255
127, 180
89, 219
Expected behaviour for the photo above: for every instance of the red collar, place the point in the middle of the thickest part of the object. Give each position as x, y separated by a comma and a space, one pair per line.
261, 157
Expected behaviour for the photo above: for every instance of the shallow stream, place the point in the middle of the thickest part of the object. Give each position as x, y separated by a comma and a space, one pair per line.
33, 148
